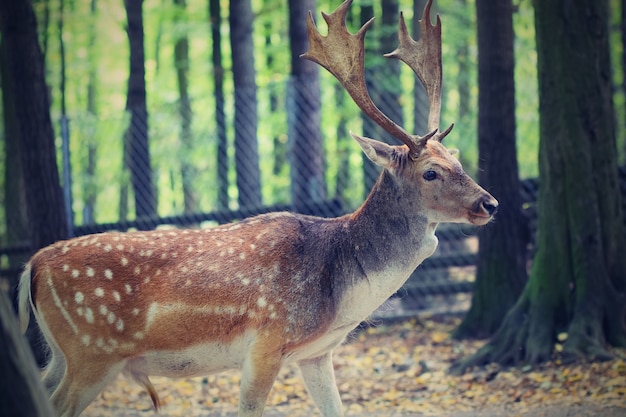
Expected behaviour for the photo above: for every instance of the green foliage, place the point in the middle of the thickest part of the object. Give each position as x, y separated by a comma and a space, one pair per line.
164, 23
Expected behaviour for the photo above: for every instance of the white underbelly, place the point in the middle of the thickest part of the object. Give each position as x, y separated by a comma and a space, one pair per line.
198, 360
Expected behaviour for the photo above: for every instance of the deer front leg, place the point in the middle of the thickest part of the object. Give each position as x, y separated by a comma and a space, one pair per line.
319, 377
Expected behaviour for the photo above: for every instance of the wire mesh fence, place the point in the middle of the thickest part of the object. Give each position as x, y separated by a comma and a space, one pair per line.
152, 170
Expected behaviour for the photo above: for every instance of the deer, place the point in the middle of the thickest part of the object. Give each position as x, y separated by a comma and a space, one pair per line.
265, 291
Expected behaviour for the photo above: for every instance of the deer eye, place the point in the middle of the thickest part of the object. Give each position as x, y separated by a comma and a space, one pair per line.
430, 175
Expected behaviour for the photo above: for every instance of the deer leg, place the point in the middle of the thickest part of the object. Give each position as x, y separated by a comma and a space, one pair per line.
81, 384
259, 371
319, 377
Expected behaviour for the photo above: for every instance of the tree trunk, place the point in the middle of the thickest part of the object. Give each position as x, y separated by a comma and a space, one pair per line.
280, 145
344, 143
501, 266
577, 279
420, 97
241, 21
215, 16
388, 77
16, 220
307, 151
370, 128
90, 191
31, 108
137, 150
181, 62
22, 392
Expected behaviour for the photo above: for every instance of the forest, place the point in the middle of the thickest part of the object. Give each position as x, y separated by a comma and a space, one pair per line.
86, 51
200, 112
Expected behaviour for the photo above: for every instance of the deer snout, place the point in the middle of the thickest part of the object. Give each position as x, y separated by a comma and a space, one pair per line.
490, 205
487, 206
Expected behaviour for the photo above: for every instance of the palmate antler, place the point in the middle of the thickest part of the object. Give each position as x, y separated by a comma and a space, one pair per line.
343, 53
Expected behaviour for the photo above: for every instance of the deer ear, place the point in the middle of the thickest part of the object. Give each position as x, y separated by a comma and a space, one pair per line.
378, 152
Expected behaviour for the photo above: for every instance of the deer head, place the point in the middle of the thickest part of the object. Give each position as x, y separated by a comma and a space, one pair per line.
447, 192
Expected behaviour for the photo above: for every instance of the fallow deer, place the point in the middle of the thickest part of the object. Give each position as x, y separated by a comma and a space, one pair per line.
272, 289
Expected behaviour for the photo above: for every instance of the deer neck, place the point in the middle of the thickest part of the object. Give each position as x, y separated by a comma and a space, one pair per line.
391, 232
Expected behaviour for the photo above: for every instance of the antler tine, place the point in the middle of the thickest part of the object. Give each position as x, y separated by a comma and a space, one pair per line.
342, 54
424, 58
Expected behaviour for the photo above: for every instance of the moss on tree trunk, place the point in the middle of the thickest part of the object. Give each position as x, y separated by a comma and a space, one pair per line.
577, 279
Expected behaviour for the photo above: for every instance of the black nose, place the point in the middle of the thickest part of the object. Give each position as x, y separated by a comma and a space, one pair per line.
490, 207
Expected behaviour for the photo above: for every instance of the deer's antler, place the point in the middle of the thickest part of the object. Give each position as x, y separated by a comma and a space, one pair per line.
342, 54
424, 58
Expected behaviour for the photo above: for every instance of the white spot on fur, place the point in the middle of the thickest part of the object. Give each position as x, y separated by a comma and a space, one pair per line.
90, 272
99, 292
116, 296
128, 288
135, 311
124, 261
108, 274
85, 339
108, 248
79, 297
66, 267
261, 302
103, 310
75, 273
111, 317
138, 335
89, 315
119, 325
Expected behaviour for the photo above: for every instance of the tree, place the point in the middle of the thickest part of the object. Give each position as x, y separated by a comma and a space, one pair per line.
16, 218
22, 392
420, 98
215, 17
578, 277
181, 63
501, 265
370, 129
137, 151
307, 164
90, 191
24, 82
241, 21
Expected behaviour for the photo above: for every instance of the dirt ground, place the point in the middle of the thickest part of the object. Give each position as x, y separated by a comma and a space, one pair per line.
398, 370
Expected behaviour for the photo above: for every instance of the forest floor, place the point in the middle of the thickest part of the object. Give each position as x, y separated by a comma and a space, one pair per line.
398, 369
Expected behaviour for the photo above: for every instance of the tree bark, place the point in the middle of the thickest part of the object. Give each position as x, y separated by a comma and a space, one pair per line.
136, 138
90, 190
501, 265
16, 219
31, 108
241, 21
370, 129
420, 97
181, 62
307, 151
215, 16
577, 279
22, 392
